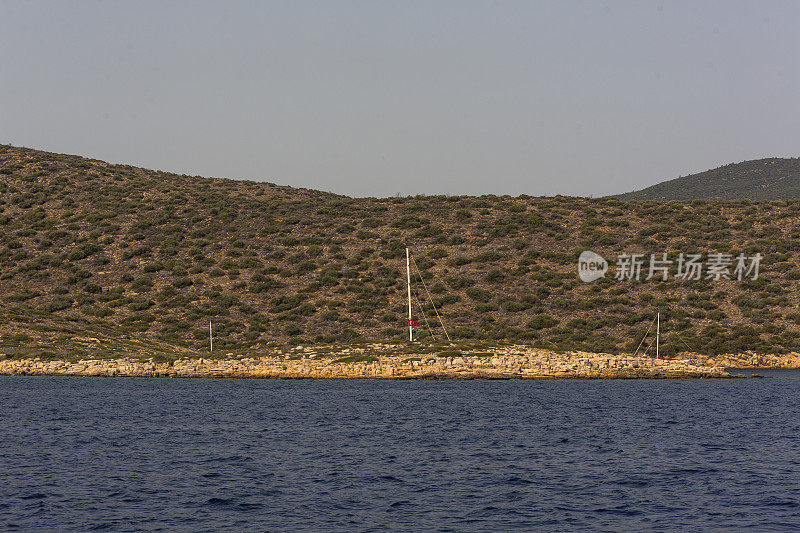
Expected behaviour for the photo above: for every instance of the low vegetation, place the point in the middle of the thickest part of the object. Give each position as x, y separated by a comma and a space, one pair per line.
107, 260
761, 179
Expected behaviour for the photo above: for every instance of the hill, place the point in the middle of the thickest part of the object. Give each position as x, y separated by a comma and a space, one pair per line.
761, 179
111, 260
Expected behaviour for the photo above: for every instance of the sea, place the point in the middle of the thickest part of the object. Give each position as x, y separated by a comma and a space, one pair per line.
114, 454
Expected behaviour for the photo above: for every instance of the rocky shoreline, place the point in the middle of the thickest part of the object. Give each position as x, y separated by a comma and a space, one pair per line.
307, 363
754, 361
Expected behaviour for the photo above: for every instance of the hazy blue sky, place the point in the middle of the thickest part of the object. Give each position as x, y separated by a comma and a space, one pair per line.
376, 98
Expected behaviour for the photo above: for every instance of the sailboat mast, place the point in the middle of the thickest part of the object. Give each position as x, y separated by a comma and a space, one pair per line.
658, 332
210, 337
408, 279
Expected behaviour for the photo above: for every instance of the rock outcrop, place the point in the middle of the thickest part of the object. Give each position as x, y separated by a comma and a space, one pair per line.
515, 362
752, 360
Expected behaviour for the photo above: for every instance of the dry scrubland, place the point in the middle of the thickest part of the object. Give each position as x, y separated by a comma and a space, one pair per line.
106, 261
761, 179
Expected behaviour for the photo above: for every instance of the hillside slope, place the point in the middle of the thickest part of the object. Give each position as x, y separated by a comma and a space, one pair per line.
112, 260
761, 179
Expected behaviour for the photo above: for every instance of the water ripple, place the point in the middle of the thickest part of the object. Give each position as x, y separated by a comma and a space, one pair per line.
232, 455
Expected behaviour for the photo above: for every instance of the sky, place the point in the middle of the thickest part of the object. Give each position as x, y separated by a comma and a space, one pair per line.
372, 98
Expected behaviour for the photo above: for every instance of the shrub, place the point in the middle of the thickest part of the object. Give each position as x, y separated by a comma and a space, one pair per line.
479, 295
293, 330
181, 283
458, 261
495, 276
153, 266
541, 322
23, 295
83, 251
143, 284
60, 303
463, 333
140, 304
488, 257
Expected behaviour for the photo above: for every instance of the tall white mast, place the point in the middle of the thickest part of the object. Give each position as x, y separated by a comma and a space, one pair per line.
210, 336
408, 279
658, 332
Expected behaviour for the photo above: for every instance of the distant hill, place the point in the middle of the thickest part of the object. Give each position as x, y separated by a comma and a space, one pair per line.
107, 260
760, 179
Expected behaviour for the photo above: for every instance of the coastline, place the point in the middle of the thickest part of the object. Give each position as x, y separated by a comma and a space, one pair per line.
305, 363
748, 361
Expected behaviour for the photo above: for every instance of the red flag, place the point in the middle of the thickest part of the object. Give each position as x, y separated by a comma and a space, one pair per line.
412, 323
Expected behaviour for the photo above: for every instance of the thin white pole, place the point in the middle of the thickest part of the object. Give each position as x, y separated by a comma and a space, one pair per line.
658, 333
210, 336
408, 280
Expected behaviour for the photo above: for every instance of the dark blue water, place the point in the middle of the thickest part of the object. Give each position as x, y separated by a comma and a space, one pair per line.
137, 454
